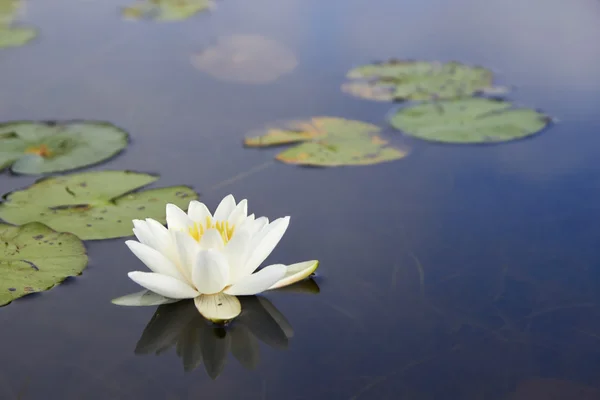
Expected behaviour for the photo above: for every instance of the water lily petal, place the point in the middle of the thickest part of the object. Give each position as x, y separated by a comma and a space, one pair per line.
218, 307
198, 212
177, 219
211, 271
225, 207
239, 213
306, 286
154, 259
163, 285
187, 248
257, 282
160, 233
246, 222
264, 243
211, 240
296, 272
143, 298
258, 225
143, 233
236, 252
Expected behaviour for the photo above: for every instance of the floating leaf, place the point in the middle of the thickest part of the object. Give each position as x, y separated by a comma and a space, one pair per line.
11, 35
166, 10
473, 120
328, 142
417, 80
249, 59
44, 147
369, 90
34, 258
15, 36
93, 205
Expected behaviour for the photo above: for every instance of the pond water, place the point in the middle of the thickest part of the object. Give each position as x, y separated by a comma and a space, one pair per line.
459, 272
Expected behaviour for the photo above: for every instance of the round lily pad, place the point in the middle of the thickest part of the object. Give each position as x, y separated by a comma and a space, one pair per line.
16, 36
472, 120
417, 80
250, 59
328, 142
35, 258
166, 10
93, 205
44, 147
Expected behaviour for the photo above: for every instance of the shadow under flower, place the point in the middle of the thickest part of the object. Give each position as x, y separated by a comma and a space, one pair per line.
198, 341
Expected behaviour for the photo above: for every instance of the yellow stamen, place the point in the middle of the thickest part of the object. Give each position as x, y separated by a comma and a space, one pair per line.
223, 227
42, 150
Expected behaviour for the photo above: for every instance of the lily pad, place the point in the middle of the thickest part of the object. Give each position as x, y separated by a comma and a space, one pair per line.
93, 205
473, 120
16, 36
35, 258
11, 35
328, 142
166, 10
250, 59
417, 80
44, 147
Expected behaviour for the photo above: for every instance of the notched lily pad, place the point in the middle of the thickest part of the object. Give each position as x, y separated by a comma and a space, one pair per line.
166, 10
250, 59
417, 80
35, 258
472, 120
45, 147
12, 35
328, 142
93, 205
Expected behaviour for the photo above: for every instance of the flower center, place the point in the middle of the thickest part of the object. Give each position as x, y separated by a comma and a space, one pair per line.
223, 227
41, 150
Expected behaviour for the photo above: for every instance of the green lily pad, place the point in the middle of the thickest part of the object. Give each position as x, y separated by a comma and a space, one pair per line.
44, 147
11, 35
328, 142
16, 36
417, 80
35, 258
166, 10
93, 205
472, 120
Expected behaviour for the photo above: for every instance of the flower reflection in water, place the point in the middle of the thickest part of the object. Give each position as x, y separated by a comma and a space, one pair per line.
198, 341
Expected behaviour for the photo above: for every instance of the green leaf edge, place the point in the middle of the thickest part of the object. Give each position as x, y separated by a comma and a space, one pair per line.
81, 243
126, 138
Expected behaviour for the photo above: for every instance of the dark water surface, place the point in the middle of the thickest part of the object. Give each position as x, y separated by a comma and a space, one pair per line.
458, 273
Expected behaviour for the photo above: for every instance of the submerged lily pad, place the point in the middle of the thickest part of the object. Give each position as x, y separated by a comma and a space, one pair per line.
44, 147
34, 258
328, 142
166, 10
250, 59
472, 120
417, 80
93, 205
11, 35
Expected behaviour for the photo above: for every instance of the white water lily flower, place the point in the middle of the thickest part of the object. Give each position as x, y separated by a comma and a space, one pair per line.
210, 258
